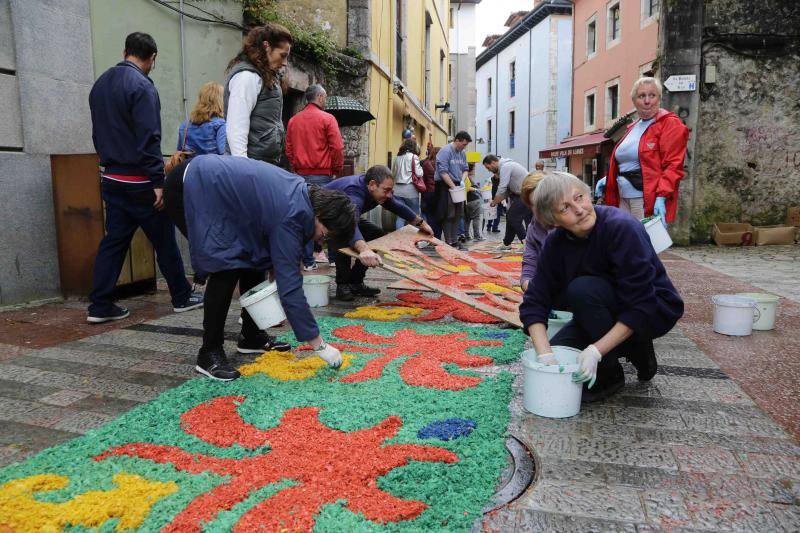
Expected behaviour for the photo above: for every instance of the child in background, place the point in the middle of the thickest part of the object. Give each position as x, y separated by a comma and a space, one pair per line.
473, 209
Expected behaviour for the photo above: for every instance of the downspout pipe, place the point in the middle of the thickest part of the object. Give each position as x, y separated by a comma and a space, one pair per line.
530, 90
183, 65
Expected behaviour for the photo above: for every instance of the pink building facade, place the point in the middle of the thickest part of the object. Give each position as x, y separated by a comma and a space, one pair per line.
614, 44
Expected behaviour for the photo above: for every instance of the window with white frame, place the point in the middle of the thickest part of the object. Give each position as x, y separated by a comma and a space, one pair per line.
511, 128
613, 23
650, 11
612, 100
512, 76
489, 92
589, 110
591, 37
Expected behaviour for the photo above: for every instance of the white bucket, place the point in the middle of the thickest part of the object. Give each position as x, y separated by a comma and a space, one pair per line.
489, 213
486, 194
458, 194
767, 305
734, 315
658, 234
548, 389
263, 304
316, 290
555, 324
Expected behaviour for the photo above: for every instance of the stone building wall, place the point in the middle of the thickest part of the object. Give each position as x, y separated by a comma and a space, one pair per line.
744, 162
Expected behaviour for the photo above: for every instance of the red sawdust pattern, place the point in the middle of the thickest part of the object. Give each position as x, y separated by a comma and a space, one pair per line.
442, 306
512, 267
426, 355
221, 412
328, 466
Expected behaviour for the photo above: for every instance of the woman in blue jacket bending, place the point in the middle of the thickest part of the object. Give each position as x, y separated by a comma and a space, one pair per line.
243, 217
599, 261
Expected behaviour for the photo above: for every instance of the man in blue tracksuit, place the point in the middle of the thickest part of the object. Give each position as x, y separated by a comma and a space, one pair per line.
126, 130
367, 191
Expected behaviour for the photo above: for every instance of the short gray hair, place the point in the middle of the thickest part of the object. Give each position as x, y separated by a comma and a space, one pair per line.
646, 80
313, 92
553, 188
539, 165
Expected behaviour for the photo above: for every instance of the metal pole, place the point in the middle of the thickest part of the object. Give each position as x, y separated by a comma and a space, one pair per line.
183, 65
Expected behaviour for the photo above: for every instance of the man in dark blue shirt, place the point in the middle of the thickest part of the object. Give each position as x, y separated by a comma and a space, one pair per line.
126, 130
367, 191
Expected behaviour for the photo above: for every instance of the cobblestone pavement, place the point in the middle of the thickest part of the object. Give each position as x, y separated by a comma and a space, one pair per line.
690, 450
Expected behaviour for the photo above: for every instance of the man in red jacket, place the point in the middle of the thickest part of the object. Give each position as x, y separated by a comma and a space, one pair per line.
314, 147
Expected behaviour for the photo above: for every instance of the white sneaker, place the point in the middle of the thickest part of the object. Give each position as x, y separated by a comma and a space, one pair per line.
309, 268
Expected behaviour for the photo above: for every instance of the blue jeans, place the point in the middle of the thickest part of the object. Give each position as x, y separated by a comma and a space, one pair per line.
321, 180
412, 203
126, 211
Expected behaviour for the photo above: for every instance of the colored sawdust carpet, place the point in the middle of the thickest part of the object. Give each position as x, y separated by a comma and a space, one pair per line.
439, 307
293, 445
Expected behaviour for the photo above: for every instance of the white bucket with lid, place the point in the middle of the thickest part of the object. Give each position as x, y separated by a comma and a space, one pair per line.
263, 304
555, 324
659, 237
767, 305
548, 389
734, 315
458, 194
316, 290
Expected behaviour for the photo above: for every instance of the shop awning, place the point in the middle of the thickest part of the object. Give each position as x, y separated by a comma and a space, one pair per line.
583, 145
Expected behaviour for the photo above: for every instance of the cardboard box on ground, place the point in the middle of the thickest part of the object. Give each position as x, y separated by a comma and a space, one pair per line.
743, 234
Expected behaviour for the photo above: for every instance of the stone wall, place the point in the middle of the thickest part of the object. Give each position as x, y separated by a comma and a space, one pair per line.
745, 163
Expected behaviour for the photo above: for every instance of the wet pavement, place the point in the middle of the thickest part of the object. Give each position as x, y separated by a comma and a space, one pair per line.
711, 443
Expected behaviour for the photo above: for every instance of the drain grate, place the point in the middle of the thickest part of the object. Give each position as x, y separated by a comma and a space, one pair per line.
522, 470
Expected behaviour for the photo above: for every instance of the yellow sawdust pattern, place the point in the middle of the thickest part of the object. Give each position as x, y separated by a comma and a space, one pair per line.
130, 502
372, 312
286, 366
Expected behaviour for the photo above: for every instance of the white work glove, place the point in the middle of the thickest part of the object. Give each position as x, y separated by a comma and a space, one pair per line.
329, 354
547, 359
587, 360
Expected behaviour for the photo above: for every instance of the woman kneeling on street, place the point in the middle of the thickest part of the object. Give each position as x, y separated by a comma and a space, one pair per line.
599, 261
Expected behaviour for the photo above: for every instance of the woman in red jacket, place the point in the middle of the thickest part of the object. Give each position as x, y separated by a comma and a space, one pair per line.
647, 163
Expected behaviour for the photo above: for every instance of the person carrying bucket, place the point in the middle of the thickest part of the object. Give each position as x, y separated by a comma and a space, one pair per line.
600, 262
242, 217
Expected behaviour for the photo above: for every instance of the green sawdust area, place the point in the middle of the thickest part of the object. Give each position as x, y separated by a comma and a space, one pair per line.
455, 493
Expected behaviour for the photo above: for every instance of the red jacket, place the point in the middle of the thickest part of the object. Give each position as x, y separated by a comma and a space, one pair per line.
314, 144
662, 150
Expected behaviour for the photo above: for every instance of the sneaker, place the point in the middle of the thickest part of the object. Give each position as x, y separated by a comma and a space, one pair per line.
462, 237
311, 267
495, 231
615, 383
344, 293
215, 365
320, 257
646, 364
359, 289
195, 300
263, 342
116, 313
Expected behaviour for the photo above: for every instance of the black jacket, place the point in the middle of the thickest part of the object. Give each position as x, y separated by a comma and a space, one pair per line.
126, 123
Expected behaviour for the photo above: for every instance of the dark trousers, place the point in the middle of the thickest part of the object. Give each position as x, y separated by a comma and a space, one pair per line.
311, 246
126, 211
218, 300
594, 312
350, 270
517, 220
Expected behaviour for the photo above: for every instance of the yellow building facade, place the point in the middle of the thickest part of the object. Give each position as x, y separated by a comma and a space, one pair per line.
408, 74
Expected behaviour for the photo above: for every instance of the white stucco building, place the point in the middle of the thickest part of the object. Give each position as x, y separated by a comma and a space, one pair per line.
461, 72
524, 86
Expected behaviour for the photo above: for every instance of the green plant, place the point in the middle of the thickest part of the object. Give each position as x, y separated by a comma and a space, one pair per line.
310, 41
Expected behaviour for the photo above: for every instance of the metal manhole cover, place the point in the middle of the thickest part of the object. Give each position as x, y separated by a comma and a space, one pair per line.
521, 469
